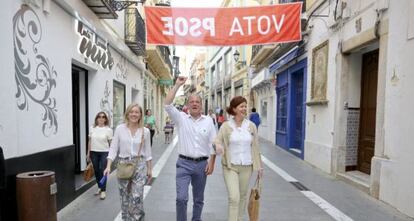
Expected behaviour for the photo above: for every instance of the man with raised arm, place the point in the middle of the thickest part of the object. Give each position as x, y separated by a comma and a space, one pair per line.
196, 158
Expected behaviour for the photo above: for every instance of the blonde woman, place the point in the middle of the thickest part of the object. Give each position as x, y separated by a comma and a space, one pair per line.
100, 136
238, 141
125, 145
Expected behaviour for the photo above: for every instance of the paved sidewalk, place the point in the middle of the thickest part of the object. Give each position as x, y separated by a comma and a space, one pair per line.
280, 201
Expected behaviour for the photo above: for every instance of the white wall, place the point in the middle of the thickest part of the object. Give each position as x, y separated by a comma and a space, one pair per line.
397, 182
8, 113
268, 125
21, 130
354, 81
320, 118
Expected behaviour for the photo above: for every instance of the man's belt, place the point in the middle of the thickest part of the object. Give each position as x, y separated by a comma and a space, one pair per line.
198, 159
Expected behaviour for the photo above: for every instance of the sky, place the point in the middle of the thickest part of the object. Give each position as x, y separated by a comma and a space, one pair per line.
196, 3
181, 51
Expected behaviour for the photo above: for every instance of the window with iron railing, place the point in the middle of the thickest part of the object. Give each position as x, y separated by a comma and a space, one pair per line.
165, 53
135, 31
256, 49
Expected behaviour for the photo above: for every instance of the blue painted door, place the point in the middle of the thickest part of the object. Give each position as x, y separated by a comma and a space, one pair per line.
298, 106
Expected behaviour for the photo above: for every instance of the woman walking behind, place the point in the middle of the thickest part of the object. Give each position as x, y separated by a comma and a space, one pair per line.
126, 145
100, 136
238, 141
149, 121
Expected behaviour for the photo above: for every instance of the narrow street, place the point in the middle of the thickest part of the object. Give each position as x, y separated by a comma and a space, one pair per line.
318, 197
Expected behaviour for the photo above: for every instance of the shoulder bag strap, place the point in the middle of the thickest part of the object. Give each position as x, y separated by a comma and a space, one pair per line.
142, 142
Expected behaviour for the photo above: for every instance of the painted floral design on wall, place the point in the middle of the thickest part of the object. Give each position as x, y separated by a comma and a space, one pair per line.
34, 74
121, 72
105, 105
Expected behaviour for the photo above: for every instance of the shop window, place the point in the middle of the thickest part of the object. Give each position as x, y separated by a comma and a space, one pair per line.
282, 109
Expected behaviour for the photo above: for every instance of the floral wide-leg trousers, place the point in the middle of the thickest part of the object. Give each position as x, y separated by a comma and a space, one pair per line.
132, 192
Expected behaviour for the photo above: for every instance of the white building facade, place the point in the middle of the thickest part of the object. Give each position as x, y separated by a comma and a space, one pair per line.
358, 119
262, 84
61, 66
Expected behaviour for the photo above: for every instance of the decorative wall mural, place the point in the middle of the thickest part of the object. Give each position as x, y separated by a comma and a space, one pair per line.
121, 72
105, 105
34, 74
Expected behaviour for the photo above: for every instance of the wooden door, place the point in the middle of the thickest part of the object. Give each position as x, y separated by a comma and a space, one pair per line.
366, 142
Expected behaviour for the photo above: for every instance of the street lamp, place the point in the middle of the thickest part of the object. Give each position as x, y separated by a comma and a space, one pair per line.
236, 56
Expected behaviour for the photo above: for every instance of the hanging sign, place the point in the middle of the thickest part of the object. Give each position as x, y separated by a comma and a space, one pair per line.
165, 82
223, 26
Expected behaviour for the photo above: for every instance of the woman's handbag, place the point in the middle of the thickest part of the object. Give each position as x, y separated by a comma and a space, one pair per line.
125, 170
88, 173
254, 201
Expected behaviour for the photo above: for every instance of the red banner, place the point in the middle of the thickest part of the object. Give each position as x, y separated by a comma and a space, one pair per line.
223, 26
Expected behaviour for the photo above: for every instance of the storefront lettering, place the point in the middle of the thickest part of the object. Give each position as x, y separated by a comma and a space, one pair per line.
94, 47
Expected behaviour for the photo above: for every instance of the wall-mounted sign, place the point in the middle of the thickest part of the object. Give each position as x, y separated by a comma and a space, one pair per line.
165, 82
94, 47
223, 26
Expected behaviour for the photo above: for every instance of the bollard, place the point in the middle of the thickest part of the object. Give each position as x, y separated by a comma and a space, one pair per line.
36, 196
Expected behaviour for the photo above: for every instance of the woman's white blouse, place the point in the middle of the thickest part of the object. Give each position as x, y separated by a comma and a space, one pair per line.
127, 144
100, 138
240, 143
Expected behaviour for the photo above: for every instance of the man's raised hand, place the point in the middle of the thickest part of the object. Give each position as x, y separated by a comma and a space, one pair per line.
181, 80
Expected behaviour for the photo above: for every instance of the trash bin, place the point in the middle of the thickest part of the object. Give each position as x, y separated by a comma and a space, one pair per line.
36, 196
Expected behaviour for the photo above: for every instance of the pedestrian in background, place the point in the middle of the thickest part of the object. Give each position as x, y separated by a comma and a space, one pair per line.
149, 121
213, 116
220, 119
196, 134
168, 131
100, 136
126, 146
255, 117
238, 141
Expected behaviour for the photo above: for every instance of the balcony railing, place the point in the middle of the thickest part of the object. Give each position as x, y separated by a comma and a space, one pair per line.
165, 53
102, 9
256, 49
135, 31
261, 53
